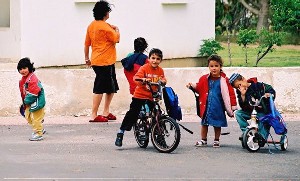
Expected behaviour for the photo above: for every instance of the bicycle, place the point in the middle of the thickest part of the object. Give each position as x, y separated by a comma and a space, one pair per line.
253, 140
164, 130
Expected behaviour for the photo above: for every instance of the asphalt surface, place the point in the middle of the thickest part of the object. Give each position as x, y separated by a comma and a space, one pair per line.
74, 149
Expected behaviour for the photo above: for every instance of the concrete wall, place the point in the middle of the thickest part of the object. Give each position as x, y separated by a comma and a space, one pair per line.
69, 91
53, 32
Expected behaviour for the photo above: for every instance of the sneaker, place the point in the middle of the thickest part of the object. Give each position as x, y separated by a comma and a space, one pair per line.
44, 132
216, 144
119, 139
241, 138
201, 143
36, 137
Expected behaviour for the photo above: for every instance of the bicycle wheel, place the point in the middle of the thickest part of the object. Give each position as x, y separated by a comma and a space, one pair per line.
250, 140
140, 133
165, 135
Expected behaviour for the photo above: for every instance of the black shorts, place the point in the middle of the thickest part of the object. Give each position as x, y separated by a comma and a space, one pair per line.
105, 81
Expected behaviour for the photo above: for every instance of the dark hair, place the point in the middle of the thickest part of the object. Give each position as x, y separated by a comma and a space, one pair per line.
140, 45
25, 62
100, 10
157, 52
216, 58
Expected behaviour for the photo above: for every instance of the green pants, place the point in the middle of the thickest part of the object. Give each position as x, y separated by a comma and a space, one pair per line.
242, 117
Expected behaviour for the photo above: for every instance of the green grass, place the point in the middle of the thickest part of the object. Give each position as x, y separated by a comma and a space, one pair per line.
283, 56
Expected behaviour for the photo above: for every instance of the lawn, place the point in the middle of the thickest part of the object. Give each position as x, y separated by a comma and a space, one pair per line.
282, 56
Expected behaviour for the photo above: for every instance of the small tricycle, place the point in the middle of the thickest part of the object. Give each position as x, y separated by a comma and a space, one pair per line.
253, 139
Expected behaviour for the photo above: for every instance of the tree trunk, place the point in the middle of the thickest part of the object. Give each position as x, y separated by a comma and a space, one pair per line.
264, 54
261, 10
263, 16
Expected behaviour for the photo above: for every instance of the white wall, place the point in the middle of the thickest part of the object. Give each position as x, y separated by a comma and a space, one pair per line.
53, 31
69, 92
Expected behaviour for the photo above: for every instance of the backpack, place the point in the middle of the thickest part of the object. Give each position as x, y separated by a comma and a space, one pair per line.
172, 104
128, 62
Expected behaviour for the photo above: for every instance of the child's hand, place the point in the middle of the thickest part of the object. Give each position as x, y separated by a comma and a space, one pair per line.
242, 89
268, 95
163, 80
189, 85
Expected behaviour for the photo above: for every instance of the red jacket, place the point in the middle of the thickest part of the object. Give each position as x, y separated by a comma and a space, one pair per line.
227, 91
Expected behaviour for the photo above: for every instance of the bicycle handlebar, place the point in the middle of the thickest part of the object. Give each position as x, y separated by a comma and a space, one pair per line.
160, 84
258, 101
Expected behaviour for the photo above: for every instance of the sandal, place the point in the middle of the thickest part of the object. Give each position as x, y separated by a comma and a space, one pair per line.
99, 119
110, 116
216, 144
201, 143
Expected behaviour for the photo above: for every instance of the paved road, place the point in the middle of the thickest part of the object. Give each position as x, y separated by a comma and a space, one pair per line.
85, 151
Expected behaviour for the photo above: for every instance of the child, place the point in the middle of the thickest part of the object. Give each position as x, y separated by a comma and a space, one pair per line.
246, 90
148, 72
215, 96
136, 60
33, 98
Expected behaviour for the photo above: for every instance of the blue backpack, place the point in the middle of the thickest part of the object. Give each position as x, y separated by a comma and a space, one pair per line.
172, 104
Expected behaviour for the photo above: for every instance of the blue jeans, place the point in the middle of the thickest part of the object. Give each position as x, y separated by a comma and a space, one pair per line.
242, 117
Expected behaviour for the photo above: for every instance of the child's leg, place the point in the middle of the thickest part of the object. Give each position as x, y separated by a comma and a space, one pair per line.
204, 130
217, 133
130, 119
216, 143
27, 116
37, 118
241, 118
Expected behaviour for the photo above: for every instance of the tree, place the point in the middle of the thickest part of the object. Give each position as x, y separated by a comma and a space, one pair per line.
209, 47
286, 16
259, 8
233, 16
266, 42
246, 37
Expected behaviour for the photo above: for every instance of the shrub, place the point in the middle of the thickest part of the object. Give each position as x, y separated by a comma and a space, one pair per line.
209, 47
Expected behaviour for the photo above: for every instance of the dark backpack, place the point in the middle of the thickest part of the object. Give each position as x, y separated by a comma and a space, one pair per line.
138, 58
172, 104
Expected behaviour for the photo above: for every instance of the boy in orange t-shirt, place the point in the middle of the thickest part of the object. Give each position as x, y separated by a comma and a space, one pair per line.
148, 72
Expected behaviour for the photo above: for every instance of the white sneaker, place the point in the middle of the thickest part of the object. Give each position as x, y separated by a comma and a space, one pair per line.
44, 131
36, 137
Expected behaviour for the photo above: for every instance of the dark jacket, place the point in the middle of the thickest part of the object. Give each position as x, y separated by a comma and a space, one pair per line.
256, 90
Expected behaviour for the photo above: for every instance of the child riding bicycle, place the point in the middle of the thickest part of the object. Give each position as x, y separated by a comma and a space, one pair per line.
149, 72
247, 92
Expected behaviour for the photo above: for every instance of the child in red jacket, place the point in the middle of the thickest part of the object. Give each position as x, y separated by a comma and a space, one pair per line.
215, 97
33, 98
135, 61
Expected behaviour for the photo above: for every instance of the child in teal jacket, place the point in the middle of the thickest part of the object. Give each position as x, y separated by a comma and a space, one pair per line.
33, 98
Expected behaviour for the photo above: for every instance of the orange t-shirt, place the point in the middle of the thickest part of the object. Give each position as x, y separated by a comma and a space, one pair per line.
103, 38
147, 71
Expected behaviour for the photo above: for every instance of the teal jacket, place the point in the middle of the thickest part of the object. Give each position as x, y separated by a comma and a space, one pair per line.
32, 92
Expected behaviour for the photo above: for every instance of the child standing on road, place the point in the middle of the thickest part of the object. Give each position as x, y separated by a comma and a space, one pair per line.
247, 90
135, 61
33, 98
215, 97
149, 72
